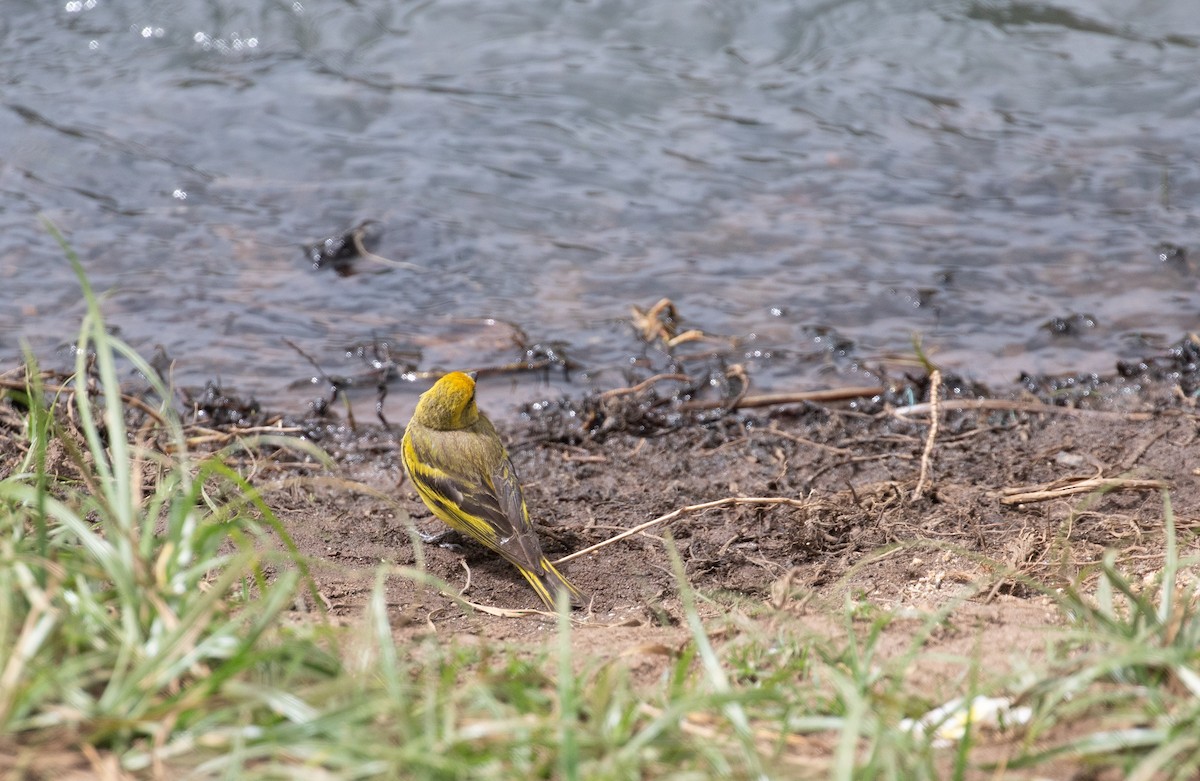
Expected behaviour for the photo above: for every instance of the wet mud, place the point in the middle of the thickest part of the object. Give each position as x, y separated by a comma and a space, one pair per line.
779, 512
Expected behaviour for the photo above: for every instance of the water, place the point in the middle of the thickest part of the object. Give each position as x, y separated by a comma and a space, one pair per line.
783, 171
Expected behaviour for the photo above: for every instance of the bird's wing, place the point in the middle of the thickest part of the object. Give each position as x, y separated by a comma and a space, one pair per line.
522, 546
468, 502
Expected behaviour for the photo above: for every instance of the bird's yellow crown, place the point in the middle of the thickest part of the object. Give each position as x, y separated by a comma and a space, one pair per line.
449, 404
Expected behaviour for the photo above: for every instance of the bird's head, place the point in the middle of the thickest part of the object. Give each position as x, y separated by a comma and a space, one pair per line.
449, 404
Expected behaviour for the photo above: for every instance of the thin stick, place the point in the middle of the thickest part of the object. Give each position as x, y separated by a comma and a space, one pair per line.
1018, 406
838, 451
1139, 451
356, 238
643, 385
935, 414
771, 399
466, 586
132, 401
337, 386
768, 500
1086, 486
204, 435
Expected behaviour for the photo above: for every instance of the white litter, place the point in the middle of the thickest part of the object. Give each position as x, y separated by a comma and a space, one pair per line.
948, 723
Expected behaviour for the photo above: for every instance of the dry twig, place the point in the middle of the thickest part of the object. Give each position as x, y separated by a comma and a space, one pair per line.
935, 386
1009, 405
1030, 494
132, 401
356, 238
644, 385
762, 500
795, 397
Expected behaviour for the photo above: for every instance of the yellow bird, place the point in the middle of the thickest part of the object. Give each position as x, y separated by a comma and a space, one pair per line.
460, 468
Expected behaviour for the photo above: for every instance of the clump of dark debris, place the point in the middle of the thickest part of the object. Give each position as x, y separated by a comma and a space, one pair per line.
340, 250
216, 408
1170, 376
666, 398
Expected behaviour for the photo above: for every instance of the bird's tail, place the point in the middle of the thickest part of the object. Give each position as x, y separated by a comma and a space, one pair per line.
549, 582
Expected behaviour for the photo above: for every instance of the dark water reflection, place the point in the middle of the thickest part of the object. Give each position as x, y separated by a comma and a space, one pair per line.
965, 171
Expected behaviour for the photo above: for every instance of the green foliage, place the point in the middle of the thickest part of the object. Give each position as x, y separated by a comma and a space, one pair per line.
1132, 662
123, 588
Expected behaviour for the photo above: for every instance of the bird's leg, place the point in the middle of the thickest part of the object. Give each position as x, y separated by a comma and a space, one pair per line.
439, 538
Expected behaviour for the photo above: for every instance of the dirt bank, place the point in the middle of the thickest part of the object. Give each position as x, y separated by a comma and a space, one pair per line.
814, 502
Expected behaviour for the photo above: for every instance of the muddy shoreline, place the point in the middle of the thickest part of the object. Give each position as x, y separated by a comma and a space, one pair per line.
817, 500
813, 494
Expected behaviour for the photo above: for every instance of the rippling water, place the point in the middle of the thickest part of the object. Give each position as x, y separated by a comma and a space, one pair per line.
964, 171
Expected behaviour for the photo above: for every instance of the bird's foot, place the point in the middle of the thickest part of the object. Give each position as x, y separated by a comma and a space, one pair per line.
443, 539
